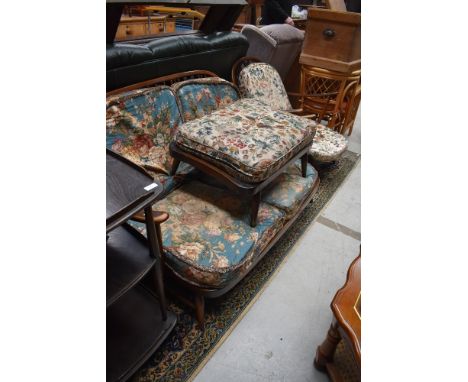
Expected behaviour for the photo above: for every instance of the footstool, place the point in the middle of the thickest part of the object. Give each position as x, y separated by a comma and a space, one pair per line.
244, 145
328, 145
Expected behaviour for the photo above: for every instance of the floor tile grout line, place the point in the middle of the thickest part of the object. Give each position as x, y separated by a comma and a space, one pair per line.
339, 227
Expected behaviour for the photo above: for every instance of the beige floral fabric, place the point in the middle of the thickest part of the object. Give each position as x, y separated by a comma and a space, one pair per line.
247, 138
328, 145
207, 239
261, 81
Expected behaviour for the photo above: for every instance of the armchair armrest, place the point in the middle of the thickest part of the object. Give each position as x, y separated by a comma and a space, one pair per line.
158, 217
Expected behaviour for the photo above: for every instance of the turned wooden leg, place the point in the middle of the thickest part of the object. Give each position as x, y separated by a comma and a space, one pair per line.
255, 204
155, 251
200, 310
175, 165
327, 349
304, 165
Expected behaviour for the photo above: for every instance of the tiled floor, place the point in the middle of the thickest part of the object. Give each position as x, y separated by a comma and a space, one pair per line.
277, 338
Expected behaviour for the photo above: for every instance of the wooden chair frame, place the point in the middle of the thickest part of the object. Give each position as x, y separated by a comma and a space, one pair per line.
179, 284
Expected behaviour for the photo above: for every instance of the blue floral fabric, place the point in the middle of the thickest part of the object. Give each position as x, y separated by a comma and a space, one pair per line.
207, 239
290, 189
140, 125
202, 96
184, 172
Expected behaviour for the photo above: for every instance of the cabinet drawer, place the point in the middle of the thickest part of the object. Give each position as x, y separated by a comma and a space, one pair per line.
332, 40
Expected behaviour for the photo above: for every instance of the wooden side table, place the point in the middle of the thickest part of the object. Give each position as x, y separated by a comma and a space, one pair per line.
346, 325
136, 321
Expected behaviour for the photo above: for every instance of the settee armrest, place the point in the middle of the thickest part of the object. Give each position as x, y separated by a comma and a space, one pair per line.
158, 217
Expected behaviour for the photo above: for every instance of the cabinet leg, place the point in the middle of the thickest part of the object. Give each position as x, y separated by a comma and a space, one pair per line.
175, 165
254, 206
327, 349
200, 310
304, 164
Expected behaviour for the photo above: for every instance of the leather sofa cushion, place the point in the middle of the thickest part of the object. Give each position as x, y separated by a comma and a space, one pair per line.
128, 63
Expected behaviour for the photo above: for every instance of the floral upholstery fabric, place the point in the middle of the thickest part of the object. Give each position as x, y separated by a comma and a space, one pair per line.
140, 125
202, 96
207, 239
170, 183
261, 81
328, 145
247, 138
290, 189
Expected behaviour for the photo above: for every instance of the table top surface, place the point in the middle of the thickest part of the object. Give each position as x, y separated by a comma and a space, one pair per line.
129, 189
346, 307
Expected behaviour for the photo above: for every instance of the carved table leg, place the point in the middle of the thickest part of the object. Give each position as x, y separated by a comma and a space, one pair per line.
200, 310
304, 165
327, 349
175, 165
255, 204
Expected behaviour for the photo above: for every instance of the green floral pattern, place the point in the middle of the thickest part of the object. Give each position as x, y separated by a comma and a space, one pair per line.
140, 125
261, 81
207, 239
328, 145
247, 138
199, 97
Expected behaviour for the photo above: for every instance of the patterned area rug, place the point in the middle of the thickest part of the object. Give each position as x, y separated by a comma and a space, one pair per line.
345, 364
187, 349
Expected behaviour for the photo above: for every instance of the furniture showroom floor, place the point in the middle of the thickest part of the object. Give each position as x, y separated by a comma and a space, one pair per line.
276, 340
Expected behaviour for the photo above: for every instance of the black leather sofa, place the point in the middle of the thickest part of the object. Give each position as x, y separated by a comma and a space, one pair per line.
131, 63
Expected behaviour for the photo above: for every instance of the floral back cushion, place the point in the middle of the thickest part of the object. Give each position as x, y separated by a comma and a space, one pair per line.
140, 125
200, 97
263, 82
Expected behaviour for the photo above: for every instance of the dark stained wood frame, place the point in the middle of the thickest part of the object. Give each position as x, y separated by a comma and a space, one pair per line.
165, 80
346, 323
199, 292
251, 190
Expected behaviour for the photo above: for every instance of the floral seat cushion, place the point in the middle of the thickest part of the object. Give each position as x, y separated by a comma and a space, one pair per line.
171, 182
247, 138
290, 189
207, 239
199, 97
262, 81
328, 145
140, 125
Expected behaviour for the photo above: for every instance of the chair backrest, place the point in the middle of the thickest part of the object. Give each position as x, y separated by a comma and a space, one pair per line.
261, 81
276, 44
140, 125
199, 97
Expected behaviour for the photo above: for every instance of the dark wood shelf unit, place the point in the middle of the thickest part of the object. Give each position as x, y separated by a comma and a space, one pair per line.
125, 190
137, 322
127, 262
135, 329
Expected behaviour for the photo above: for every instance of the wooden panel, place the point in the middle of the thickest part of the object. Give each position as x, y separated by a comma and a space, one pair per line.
137, 26
336, 5
332, 40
